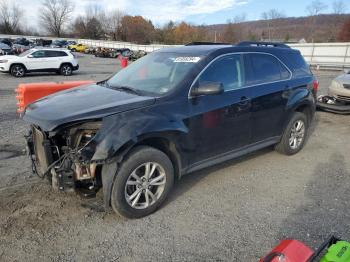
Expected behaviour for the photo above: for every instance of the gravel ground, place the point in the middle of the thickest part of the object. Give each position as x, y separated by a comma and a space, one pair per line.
236, 211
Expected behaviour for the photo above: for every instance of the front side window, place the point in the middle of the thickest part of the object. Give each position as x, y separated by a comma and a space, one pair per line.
39, 54
266, 68
156, 73
227, 70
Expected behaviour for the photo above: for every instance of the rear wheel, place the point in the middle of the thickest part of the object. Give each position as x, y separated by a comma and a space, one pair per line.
18, 70
66, 70
142, 183
294, 136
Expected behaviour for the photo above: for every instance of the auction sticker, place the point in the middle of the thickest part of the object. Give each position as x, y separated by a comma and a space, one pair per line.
187, 59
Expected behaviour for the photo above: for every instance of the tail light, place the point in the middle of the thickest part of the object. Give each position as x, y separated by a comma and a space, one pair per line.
315, 85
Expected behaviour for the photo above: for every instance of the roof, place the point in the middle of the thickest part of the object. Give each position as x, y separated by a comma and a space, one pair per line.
49, 49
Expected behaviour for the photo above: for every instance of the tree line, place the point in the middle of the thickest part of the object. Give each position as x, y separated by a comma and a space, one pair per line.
56, 19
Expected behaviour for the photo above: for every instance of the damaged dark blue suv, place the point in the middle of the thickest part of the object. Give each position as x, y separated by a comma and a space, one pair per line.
170, 113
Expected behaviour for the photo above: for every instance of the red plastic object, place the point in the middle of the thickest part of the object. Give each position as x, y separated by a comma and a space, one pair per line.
316, 85
289, 251
124, 62
28, 93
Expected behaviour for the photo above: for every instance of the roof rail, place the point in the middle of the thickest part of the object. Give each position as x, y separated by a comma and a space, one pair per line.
206, 43
265, 44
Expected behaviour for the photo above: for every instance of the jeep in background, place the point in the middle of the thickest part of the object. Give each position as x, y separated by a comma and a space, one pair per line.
39, 60
172, 112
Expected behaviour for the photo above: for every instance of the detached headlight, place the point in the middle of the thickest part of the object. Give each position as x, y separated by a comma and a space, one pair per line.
3, 61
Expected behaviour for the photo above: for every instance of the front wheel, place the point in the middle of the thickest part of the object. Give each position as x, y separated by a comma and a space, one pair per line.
66, 70
294, 137
18, 71
142, 183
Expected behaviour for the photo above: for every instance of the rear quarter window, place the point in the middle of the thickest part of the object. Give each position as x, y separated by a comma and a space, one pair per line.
265, 68
297, 64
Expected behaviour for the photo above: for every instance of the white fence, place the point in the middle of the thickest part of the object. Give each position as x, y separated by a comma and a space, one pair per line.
330, 55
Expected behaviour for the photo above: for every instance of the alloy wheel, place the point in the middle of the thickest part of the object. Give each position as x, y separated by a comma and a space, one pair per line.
18, 71
145, 185
66, 70
297, 135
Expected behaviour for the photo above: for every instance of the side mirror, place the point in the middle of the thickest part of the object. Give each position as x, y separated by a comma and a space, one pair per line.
30, 56
208, 88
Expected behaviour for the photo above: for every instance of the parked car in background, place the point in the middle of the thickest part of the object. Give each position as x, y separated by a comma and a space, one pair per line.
18, 49
71, 42
22, 41
59, 44
43, 42
77, 48
6, 41
5, 49
170, 113
340, 88
39, 60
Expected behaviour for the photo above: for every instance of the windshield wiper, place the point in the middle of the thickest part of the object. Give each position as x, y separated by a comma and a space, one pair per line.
126, 89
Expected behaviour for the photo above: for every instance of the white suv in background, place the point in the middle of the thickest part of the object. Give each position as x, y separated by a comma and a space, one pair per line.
39, 60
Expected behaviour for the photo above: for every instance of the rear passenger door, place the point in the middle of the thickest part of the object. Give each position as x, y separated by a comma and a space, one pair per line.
55, 58
268, 77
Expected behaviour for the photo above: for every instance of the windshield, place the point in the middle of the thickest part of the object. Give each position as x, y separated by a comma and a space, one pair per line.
25, 53
156, 73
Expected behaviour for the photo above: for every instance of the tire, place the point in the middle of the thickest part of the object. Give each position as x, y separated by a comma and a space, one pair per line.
18, 70
294, 136
130, 194
66, 70
73, 50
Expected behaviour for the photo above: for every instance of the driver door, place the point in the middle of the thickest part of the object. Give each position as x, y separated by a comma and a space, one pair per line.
220, 124
37, 60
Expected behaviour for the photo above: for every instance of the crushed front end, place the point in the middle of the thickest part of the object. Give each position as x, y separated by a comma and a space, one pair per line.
64, 157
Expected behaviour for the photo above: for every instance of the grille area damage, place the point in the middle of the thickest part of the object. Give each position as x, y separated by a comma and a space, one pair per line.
64, 158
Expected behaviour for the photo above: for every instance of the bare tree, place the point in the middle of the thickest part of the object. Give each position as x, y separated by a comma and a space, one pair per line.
10, 17
55, 15
339, 7
314, 9
270, 17
112, 22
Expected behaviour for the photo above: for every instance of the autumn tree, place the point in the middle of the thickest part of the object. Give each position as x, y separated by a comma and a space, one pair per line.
136, 29
344, 34
55, 14
10, 16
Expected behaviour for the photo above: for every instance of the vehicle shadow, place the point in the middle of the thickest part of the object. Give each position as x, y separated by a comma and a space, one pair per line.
190, 180
325, 209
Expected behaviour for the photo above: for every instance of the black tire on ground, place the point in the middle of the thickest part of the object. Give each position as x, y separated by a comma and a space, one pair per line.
136, 158
66, 70
18, 70
284, 146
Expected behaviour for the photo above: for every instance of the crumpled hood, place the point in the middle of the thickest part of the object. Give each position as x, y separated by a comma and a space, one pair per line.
82, 103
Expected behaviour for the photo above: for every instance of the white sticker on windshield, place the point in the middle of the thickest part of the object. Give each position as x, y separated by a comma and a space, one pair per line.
187, 59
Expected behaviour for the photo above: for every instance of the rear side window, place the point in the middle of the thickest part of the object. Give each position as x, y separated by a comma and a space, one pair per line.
228, 70
265, 68
298, 65
56, 54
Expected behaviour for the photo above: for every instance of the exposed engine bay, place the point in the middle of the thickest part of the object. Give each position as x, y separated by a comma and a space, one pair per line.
63, 157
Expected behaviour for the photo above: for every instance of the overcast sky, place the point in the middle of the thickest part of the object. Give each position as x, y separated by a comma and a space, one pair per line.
195, 11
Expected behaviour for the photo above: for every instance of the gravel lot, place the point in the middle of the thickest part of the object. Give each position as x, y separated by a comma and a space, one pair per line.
236, 211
